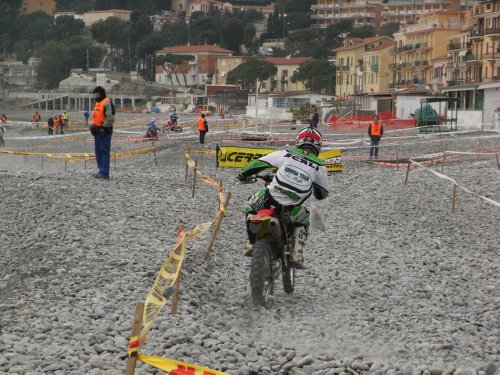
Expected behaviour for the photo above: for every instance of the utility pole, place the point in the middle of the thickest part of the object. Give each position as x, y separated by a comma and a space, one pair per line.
256, 104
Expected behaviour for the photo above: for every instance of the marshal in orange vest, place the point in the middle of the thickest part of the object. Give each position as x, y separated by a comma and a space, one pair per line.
376, 129
201, 123
99, 117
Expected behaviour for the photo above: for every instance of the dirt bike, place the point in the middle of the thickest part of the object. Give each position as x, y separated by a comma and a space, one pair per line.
171, 126
152, 133
272, 244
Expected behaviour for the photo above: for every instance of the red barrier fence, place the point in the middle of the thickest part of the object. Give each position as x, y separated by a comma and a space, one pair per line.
361, 121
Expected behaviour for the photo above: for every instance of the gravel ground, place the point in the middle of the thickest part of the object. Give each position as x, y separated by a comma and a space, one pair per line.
398, 284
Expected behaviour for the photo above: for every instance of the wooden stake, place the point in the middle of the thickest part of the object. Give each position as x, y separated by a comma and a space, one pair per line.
65, 166
136, 330
114, 161
186, 161
154, 154
397, 161
453, 198
498, 162
444, 160
175, 297
194, 175
407, 172
26, 155
218, 220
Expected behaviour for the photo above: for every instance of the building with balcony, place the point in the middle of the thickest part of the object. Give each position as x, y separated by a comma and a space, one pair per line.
417, 46
474, 64
198, 71
352, 60
485, 40
17, 74
408, 11
282, 82
362, 12
376, 76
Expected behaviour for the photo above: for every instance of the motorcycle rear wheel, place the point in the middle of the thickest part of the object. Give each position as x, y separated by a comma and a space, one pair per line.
260, 273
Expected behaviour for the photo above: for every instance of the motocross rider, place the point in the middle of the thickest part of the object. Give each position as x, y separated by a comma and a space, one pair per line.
299, 174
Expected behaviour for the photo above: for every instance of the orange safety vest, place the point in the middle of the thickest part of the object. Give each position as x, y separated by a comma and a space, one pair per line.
98, 117
376, 129
201, 124
56, 122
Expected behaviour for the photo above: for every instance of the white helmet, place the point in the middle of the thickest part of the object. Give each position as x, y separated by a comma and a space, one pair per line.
309, 137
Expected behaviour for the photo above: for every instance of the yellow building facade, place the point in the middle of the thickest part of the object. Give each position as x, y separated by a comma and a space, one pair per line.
417, 46
354, 65
46, 6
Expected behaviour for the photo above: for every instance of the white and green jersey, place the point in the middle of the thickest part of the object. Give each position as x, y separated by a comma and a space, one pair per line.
298, 176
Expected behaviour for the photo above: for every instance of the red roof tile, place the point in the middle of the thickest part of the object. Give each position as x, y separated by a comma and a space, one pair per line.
202, 48
287, 60
381, 47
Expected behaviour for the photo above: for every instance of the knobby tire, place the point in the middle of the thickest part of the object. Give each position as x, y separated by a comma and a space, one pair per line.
260, 272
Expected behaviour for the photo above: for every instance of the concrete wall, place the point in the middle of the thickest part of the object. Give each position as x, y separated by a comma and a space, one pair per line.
469, 119
407, 104
491, 102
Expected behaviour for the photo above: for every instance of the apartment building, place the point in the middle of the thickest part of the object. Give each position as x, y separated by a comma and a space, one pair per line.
199, 71
485, 41
17, 74
362, 12
282, 82
354, 62
376, 76
417, 46
408, 11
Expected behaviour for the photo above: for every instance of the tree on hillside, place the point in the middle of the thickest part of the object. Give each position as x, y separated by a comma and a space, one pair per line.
364, 31
316, 75
388, 29
57, 59
174, 64
67, 26
247, 73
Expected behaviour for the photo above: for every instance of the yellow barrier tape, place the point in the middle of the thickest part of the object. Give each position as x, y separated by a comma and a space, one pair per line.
133, 345
207, 179
177, 367
238, 157
166, 278
205, 152
74, 157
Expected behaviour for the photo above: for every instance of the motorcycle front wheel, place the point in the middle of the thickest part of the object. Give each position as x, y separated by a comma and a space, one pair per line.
288, 280
260, 271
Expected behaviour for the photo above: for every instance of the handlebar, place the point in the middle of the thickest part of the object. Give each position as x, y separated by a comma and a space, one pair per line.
267, 178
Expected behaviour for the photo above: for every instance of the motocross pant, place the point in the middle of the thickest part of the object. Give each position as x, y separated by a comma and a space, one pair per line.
296, 215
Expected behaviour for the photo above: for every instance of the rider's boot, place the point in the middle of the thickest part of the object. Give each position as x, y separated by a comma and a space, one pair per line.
299, 242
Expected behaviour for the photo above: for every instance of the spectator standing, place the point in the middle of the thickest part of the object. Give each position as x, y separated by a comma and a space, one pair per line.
202, 127
36, 119
103, 119
375, 132
50, 125
2, 130
86, 115
57, 125
315, 119
61, 125
66, 119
